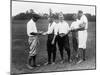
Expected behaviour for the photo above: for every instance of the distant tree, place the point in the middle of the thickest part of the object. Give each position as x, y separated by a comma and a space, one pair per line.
28, 14
50, 12
68, 16
90, 17
93, 18
32, 11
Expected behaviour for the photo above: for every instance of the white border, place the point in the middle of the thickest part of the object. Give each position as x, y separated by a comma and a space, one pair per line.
5, 37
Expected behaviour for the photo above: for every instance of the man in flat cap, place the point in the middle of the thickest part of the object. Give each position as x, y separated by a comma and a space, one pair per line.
32, 40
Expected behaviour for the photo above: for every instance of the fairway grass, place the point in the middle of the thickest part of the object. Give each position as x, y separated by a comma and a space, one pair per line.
19, 53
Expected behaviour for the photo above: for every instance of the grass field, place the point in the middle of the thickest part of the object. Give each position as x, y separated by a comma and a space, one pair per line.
19, 55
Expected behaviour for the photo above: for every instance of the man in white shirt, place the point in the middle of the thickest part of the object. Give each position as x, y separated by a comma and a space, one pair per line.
33, 41
51, 42
62, 36
74, 25
60, 29
82, 35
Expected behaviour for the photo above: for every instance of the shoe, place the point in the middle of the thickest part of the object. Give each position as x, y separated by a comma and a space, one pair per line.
47, 63
70, 61
30, 67
84, 59
80, 61
62, 62
53, 63
36, 65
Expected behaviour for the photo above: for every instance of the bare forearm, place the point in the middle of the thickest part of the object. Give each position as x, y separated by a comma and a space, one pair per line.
54, 37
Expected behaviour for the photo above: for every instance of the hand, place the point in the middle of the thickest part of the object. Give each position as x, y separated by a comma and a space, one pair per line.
62, 34
80, 25
40, 32
72, 28
44, 33
52, 42
30, 52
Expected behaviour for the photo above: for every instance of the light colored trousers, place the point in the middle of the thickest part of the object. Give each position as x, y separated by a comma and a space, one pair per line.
33, 42
82, 39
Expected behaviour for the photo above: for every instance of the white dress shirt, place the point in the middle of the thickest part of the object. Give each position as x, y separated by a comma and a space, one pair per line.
84, 19
31, 27
75, 24
52, 27
62, 27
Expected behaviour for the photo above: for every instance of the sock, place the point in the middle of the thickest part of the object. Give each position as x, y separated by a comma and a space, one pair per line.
34, 60
84, 51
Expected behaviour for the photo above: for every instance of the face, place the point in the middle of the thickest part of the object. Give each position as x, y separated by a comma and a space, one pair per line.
34, 19
61, 16
50, 20
80, 14
75, 16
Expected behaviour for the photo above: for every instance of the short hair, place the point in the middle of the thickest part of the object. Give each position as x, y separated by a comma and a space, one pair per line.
80, 11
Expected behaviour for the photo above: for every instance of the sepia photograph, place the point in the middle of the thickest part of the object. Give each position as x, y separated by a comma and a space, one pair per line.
52, 37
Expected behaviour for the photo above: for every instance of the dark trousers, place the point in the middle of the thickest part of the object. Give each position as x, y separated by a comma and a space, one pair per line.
51, 49
32, 61
75, 47
75, 43
82, 54
63, 43
74, 51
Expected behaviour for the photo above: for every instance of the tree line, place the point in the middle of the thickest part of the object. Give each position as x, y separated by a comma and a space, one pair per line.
26, 16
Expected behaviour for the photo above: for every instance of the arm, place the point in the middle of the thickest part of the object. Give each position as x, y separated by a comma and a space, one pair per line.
83, 23
81, 27
50, 30
55, 34
36, 33
53, 41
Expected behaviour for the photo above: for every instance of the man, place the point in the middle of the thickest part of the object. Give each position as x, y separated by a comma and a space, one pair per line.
33, 41
82, 36
74, 33
51, 47
62, 36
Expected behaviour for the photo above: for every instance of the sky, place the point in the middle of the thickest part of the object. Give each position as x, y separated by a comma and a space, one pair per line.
18, 7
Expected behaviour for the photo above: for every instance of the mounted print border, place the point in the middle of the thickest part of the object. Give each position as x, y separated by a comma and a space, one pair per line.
41, 15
